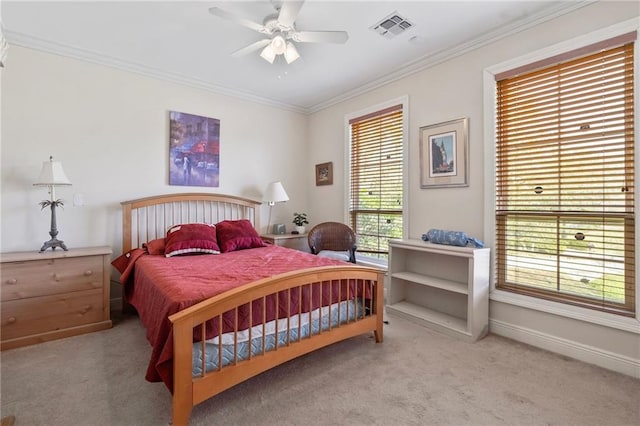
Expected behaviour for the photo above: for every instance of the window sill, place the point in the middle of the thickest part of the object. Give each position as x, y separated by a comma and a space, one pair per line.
372, 262
631, 325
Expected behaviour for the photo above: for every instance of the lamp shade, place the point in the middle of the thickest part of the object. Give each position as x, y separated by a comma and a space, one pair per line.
291, 54
52, 174
278, 45
275, 193
268, 54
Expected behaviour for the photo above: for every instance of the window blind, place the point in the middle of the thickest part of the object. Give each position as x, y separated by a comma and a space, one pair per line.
565, 222
376, 179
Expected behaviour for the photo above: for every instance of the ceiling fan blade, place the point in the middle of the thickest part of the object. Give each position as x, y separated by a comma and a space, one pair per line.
321, 36
238, 20
289, 12
251, 48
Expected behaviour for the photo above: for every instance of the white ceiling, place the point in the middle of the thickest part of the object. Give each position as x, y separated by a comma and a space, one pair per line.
182, 41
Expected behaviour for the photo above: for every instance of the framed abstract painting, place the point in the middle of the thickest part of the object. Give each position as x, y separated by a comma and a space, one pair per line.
194, 150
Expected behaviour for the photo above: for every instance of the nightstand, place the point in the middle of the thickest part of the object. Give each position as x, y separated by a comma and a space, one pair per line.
54, 294
294, 241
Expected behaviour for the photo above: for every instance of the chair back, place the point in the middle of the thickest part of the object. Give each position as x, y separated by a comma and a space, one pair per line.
334, 236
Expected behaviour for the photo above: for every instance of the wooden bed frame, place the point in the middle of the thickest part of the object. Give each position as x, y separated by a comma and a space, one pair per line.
148, 218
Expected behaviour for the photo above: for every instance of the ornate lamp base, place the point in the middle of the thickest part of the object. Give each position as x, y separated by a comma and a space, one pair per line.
52, 244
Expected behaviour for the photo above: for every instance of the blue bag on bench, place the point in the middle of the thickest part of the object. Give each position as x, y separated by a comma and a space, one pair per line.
452, 238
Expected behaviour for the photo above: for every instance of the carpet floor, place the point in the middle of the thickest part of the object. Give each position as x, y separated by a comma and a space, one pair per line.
416, 377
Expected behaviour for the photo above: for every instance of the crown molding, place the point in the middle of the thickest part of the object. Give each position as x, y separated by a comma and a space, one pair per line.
403, 71
433, 59
47, 46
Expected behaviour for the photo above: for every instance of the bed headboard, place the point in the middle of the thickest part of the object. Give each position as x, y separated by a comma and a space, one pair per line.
146, 219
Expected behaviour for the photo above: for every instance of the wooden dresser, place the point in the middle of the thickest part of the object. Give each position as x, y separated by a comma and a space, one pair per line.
54, 294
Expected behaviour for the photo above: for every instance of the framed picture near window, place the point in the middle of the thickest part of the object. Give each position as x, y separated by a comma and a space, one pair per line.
443, 154
324, 174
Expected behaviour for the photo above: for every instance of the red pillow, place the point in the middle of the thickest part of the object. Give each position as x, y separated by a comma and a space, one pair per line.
237, 235
191, 238
155, 246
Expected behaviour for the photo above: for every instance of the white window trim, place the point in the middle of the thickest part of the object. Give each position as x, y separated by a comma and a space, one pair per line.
372, 262
489, 88
404, 101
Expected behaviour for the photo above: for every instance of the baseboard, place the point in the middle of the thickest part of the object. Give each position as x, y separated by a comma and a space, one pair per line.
579, 351
115, 304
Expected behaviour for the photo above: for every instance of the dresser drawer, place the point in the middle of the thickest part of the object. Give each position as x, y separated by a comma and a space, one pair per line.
48, 313
29, 279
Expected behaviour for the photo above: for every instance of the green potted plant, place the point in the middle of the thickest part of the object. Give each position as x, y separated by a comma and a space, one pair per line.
300, 220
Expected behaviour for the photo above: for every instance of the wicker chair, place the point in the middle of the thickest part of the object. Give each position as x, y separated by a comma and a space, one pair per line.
333, 237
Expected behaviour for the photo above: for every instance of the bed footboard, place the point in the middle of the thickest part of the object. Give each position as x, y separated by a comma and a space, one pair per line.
310, 325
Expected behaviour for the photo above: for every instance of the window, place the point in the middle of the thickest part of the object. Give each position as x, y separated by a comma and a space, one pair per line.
376, 179
565, 223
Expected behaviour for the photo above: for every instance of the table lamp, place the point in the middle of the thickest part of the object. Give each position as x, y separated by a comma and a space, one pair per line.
52, 175
275, 193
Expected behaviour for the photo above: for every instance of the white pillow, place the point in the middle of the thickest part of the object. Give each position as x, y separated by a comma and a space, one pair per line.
340, 255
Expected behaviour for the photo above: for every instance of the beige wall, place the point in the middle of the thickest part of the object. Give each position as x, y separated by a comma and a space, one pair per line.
451, 90
109, 128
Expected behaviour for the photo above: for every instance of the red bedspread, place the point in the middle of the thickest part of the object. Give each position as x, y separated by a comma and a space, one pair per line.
163, 286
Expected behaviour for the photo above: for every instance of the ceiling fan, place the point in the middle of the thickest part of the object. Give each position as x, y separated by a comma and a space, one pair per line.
280, 31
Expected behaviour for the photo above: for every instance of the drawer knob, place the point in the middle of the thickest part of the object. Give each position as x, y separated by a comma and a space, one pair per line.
12, 281
88, 272
11, 320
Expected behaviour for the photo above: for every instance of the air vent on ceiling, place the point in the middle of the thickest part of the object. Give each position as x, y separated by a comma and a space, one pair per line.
392, 25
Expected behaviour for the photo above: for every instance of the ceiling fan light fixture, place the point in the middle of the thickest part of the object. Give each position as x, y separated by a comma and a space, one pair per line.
291, 53
280, 31
278, 45
268, 54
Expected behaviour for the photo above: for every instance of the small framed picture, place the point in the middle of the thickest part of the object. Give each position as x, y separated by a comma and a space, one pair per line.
443, 154
324, 174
